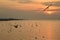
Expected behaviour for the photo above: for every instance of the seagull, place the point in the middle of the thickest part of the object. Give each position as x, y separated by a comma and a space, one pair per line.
47, 7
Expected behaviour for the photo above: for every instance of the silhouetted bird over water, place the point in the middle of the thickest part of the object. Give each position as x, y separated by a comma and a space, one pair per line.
35, 37
43, 36
16, 26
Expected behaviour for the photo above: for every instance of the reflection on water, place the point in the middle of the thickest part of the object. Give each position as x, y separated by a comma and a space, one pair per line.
30, 30
52, 29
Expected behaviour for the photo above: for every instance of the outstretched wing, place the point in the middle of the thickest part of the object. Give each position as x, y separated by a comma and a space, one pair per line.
47, 7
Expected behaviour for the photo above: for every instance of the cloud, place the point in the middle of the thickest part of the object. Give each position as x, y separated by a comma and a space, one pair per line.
24, 1
57, 3
21, 6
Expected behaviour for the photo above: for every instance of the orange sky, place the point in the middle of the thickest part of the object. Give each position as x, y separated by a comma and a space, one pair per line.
29, 8
34, 5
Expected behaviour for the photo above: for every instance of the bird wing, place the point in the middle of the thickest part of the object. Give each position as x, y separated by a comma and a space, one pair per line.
47, 7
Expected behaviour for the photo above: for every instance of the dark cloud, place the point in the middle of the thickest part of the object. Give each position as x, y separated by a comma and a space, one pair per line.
24, 1
57, 3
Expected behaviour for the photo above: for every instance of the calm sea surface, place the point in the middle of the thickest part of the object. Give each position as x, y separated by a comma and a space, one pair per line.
30, 30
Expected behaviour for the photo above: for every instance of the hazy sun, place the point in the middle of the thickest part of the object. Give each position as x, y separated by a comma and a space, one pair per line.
48, 12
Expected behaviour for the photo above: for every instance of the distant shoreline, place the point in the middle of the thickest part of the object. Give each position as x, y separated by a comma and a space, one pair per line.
9, 19
25, 19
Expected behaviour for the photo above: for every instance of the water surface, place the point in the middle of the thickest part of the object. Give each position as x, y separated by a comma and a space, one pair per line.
30, 30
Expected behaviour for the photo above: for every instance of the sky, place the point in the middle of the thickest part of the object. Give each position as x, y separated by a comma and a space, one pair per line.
30, 9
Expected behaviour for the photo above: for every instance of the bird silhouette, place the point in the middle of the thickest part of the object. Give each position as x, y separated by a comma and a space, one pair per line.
47, 7
44, 9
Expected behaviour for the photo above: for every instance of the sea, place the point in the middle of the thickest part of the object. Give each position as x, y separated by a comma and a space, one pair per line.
30, 30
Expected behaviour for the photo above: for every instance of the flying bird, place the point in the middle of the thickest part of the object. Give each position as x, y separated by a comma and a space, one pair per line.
47, 7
